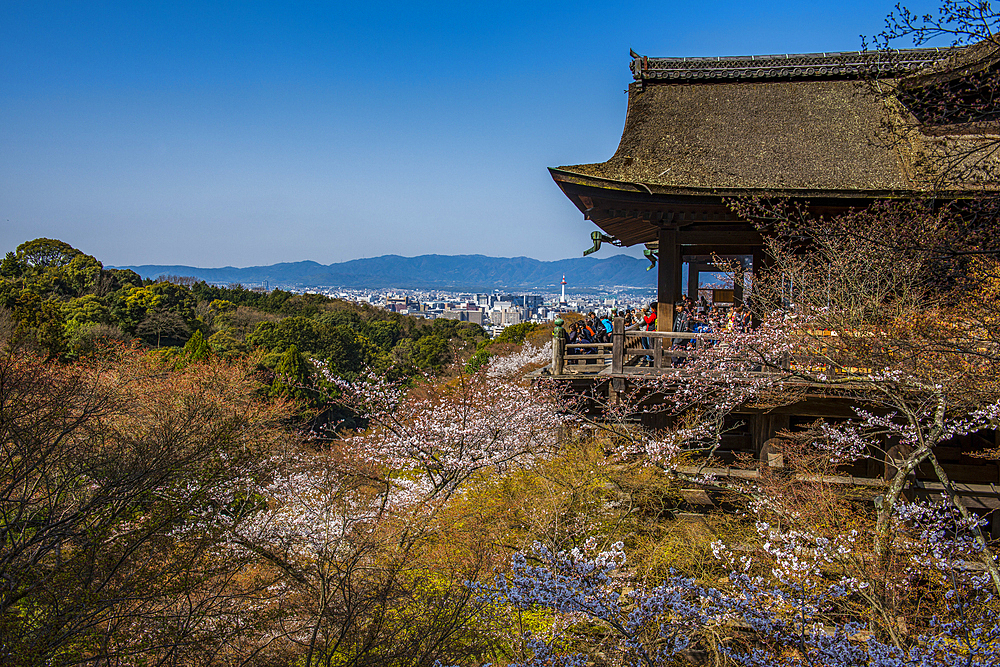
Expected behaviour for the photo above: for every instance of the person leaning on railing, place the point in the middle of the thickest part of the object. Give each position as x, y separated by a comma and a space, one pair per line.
572, 337
682, 320
583, 334
632, 323
700, 324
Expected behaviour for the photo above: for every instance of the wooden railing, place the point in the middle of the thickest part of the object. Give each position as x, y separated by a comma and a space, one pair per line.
625, 349
582, 355
661, 352
628, 349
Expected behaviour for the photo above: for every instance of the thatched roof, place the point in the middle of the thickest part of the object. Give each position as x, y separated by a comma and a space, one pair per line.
810, 124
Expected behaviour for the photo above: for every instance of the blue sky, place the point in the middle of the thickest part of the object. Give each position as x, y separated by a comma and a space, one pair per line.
244, 133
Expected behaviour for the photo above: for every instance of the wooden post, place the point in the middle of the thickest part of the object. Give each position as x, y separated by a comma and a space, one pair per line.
658, 353
759, 261
738, 279
668, 279
558, 354
558, 347
617, 344
694, 273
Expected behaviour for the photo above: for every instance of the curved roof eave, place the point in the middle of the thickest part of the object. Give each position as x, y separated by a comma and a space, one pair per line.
567, 175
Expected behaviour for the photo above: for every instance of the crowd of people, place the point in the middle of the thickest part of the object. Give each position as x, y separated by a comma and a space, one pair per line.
689, 316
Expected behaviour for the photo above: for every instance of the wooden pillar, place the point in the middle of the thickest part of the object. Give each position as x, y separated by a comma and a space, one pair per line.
617, 345
694, 270
738, 279
668, 279
759, 261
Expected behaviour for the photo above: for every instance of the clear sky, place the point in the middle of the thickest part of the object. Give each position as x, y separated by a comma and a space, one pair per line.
245, 133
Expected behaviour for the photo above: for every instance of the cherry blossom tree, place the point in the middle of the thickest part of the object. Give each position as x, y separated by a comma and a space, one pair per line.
351, 583
786, 604
440, 433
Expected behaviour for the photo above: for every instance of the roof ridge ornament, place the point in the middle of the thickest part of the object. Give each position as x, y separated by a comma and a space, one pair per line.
826, 65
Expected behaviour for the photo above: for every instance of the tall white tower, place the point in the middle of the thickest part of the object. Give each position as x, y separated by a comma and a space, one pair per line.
563, 299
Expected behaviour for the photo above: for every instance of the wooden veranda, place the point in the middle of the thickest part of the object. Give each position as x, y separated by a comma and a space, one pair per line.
606, 371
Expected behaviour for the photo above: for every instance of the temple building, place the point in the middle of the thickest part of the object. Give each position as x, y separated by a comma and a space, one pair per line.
829, 131
817, 128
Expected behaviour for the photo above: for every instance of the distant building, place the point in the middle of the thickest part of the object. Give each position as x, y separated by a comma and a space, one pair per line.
400, 304
529, 301
506, 314
464, 315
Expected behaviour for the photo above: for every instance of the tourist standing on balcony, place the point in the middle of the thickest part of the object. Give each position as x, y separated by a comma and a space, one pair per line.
649, 322
682, 316
608, 321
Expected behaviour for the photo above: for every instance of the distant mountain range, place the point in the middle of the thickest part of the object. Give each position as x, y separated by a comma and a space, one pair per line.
460, 273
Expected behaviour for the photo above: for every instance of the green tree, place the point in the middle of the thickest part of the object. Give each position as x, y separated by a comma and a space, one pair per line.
305, 334
341, 317
87, 309
515, 334
132, 305
46, 253
38, 323
348, 353
431, 353
79, 276
196, 349
383, 333
291, 376
11, 266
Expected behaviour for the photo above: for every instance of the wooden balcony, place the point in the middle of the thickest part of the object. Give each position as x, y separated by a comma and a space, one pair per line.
602, 372
639, 354
625, 356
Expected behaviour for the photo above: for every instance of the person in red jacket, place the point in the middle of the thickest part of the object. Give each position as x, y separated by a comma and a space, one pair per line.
649, 320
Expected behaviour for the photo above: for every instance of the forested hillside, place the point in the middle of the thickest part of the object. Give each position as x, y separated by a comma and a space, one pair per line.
61, 302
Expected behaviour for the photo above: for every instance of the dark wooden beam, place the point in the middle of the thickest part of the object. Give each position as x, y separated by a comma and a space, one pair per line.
720, 250
713, 237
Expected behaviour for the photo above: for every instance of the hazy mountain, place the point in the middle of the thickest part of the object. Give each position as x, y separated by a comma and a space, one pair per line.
445, 272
